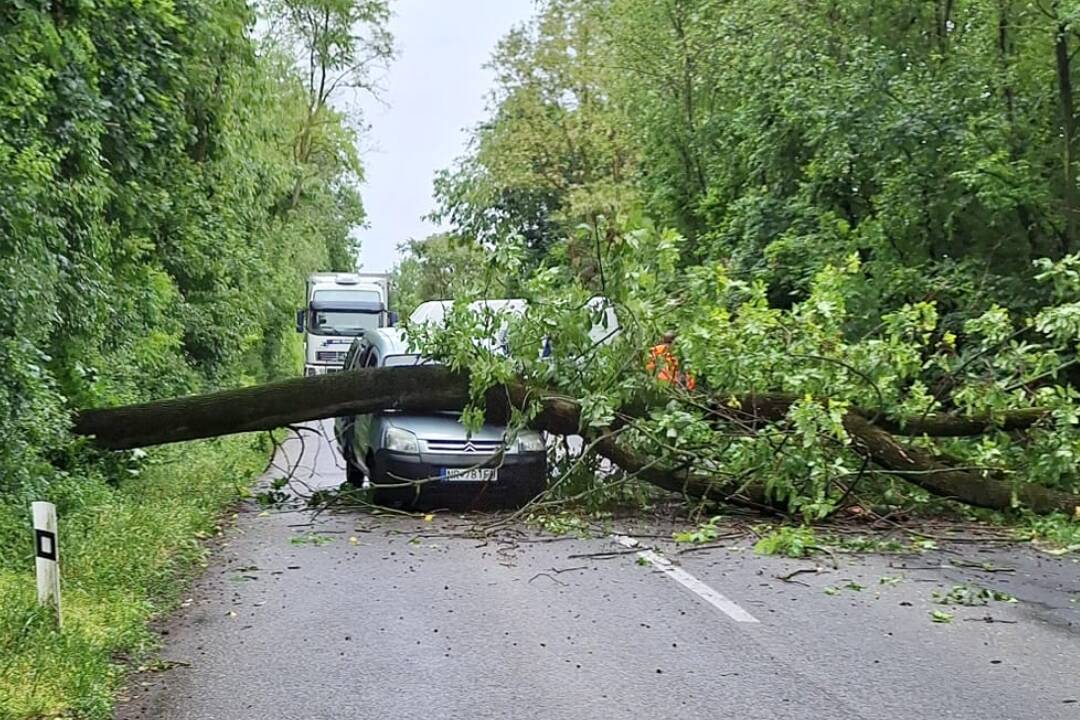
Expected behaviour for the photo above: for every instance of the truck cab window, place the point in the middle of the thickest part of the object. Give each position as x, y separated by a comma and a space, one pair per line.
336, 322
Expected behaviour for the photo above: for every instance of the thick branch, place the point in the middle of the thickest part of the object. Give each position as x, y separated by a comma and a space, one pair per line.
920, 468
683, 482
772, 407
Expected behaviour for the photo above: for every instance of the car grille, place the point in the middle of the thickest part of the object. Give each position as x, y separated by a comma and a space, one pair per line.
480, 447
331, 356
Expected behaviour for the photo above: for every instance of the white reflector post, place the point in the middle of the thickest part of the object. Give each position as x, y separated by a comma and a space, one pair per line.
47, 553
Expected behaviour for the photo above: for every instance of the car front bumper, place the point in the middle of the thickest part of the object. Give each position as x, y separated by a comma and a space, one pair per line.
518, 468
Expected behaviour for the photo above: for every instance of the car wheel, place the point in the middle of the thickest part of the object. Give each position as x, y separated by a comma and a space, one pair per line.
527, 491
353, 474
403, 498
395, 497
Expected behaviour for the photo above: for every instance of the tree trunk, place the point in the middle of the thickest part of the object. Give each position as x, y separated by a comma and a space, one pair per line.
1068, 130
772, 407
265, 407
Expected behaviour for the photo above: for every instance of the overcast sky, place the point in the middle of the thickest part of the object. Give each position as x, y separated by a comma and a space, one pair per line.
435, 90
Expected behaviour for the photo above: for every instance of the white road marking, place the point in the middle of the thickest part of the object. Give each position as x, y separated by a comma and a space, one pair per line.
717, 600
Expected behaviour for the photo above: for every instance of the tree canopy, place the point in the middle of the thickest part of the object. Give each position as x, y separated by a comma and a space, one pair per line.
854, 204
168, 178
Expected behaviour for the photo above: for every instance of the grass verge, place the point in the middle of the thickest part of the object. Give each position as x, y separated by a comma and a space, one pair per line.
125, 552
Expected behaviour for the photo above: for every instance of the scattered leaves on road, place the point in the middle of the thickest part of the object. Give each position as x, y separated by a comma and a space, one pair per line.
310, 539
970, 596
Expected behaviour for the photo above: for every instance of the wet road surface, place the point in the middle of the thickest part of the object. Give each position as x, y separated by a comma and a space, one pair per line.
355, 615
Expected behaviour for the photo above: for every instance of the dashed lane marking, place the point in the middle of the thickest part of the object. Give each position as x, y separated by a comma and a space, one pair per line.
719, 601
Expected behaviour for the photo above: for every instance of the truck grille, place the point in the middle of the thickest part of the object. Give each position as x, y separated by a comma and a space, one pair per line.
480, 447
330, 356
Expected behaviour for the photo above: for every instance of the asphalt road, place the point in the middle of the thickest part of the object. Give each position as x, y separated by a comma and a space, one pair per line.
353, 615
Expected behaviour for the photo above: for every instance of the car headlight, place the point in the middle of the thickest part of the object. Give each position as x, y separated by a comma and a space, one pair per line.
401, 441
530, 441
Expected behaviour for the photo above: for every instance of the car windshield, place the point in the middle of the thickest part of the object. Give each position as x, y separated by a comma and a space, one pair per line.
403, 360
342, 322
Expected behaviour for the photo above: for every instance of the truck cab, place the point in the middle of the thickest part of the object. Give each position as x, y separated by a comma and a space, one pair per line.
339, 307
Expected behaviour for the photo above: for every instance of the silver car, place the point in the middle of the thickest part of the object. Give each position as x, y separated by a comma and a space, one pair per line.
418, 460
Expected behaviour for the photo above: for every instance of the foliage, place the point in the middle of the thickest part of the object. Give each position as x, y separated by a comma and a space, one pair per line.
865, 205
734, 342
788, 541
928, 140
970, 596
439, 267
150, 243
338, 45
553, 152
560, 523
941, 617
866, 544
310, 539
703, 533
1057, 533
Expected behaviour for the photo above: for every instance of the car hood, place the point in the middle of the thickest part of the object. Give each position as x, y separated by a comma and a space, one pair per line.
442, 426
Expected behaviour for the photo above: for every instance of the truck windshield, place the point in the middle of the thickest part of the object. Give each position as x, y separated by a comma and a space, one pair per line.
342, 322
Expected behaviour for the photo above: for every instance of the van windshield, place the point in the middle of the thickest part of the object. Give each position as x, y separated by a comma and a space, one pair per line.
342, 322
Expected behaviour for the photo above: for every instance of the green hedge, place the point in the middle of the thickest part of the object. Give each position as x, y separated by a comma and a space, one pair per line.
155, 225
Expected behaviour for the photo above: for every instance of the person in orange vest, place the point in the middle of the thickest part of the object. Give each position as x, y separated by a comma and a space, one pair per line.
663, 363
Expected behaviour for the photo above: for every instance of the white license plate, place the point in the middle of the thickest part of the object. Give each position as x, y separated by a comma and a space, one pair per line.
469, 475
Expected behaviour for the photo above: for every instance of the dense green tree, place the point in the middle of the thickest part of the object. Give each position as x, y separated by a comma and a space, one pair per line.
865, 203
555, 153
167, 180
937, 140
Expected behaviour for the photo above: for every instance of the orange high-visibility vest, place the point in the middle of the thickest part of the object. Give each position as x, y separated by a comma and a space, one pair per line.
669, 366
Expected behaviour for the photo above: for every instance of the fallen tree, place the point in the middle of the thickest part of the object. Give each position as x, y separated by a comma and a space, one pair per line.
273, 405
432, 388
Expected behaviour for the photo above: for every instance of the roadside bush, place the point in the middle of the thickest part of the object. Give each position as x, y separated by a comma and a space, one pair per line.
125, 551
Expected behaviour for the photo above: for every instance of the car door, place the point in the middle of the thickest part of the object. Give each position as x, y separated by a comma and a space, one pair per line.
343, 425
361, 424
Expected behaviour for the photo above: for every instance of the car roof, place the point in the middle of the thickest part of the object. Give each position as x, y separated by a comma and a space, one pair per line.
434, 311
388, 341
513, 305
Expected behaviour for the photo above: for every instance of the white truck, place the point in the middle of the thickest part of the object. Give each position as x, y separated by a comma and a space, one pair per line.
339, 306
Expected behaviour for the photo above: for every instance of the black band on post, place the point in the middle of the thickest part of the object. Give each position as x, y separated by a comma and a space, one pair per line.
46, 544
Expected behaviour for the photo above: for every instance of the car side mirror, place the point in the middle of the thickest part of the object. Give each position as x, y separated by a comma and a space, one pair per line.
391, 319
300, 320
